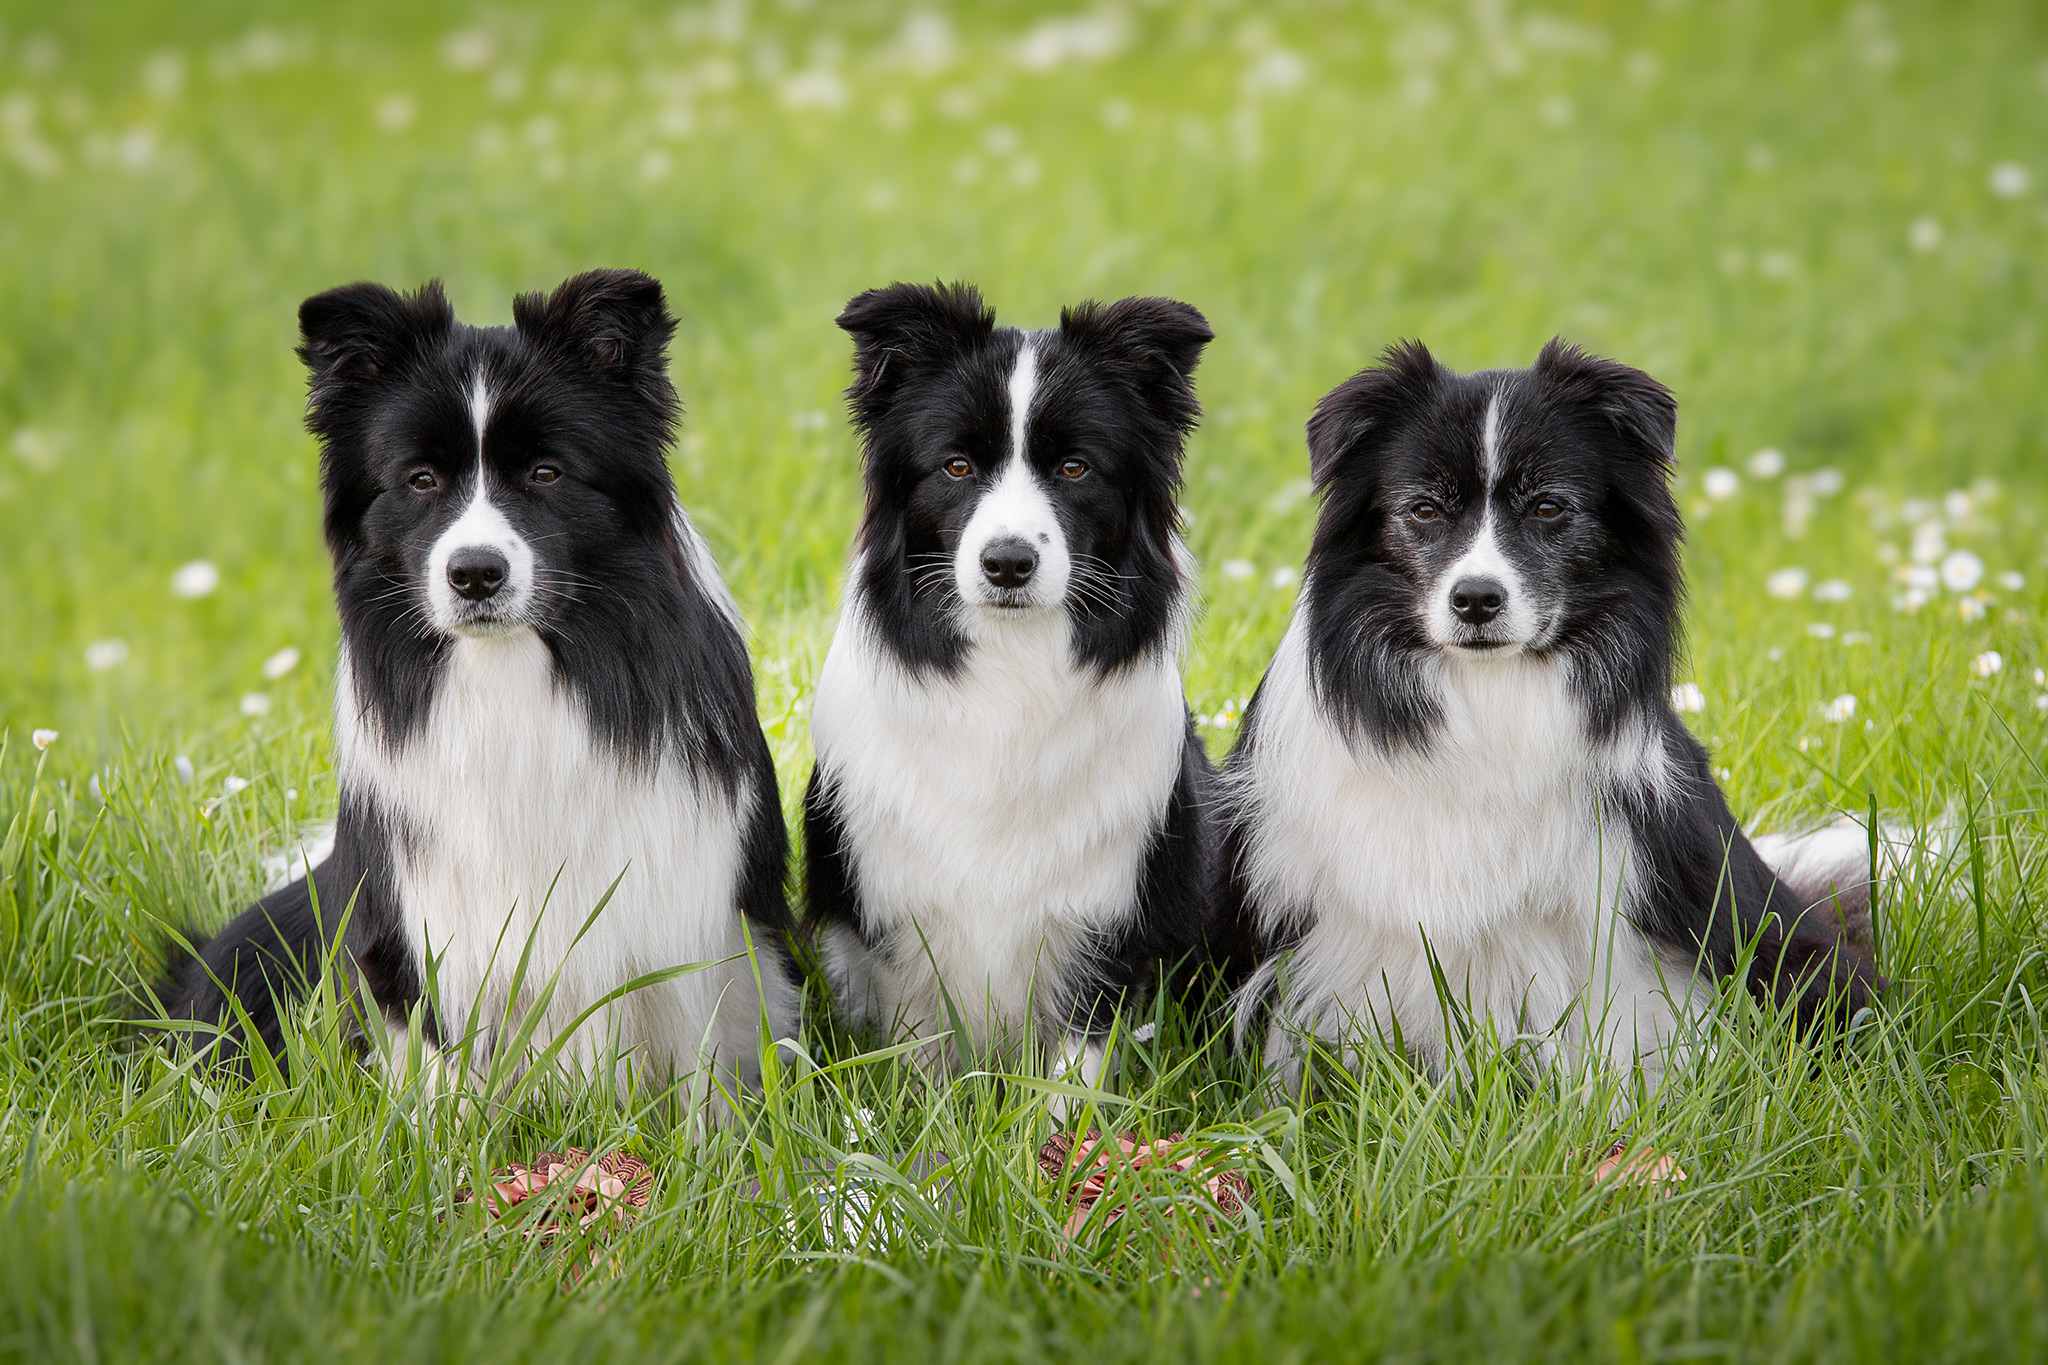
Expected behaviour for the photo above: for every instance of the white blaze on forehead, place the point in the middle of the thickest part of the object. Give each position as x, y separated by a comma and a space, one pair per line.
1015, 504
481, 525
1489, 442
479, 413
1484, 558
1023, 386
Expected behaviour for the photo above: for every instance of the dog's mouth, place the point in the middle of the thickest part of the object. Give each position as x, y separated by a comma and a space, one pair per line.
484, 622
1009, 599
1480, 640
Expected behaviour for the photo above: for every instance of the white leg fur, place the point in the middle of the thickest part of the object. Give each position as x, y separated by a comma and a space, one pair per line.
1082, 1061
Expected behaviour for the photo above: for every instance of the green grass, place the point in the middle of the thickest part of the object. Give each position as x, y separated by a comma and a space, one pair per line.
1723, 193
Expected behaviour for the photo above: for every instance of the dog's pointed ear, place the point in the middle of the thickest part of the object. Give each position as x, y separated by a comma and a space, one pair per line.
898, 328
1369, 404
617, 320
1643, 412
349, 337
1155, 342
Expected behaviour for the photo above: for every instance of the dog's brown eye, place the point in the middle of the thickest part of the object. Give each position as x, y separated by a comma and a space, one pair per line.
958, 467
1548, 510
545, 473
1073, 469
1425, 511
423, 481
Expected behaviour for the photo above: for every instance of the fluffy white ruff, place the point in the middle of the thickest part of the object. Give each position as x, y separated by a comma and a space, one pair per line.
523, 820
1489, 851
996, 820
1518, 622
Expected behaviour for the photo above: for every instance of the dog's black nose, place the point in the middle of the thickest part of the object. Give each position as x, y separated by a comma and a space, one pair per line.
1477, 600
1007, 563
477, 572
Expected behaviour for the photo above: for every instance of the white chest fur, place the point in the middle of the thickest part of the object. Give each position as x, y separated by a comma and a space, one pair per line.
1489, 850
523, 820
995, 819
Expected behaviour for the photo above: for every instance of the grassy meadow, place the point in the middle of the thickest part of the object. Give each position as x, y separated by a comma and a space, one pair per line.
1824, 226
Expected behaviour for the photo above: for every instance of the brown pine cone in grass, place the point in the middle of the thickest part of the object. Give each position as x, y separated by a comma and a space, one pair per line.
1087, 1166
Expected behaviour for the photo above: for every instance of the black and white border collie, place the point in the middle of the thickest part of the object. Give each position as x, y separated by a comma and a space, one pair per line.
1464, 748
1008, 821
543, 689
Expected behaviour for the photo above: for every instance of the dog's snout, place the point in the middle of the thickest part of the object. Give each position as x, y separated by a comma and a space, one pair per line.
477, 572
1477, 600
1009, 562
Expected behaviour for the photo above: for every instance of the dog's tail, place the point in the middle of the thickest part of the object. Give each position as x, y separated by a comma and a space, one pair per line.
247, 979
1831, 874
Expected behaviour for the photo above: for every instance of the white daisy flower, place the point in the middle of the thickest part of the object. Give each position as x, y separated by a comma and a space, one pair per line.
2012, 582
1840, 709
1687, 699
255, 704
1930, 542
1055, 43
1285, 577
1961, 571
1720, 483
1820, 630
1239, 568
2041, 702
2009, 180
183, 766
395, 113
1924, 235
471, 49
819, 87
281, 663
1832, 590
1971, 609
1786, 583
102, 655
233, 785
195, 580
1987, 663
42, 739
1767, 463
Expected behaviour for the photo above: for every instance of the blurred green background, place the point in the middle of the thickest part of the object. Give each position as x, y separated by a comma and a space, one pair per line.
1823, 225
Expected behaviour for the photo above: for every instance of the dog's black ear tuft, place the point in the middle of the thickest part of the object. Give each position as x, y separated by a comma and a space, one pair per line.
903, 326
1643, 411
1368, 405
1155, 342
349, 337
616, 319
